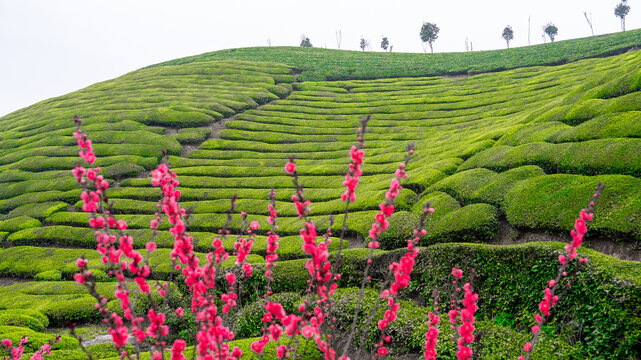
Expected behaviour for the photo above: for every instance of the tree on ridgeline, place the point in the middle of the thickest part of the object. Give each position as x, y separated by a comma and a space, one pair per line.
508, 34
304, 42
384, 43
621, 11
364, 43
589, 20
551, 30
429, 34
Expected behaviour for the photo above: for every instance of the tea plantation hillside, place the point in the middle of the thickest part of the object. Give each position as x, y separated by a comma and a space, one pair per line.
503, 156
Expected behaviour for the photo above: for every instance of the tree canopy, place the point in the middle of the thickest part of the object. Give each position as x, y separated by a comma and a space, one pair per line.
551, 30
384, 43
621, 11
508, 34
305, 42
429, 33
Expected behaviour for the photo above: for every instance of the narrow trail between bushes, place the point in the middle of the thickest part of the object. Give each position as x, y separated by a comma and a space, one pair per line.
508, 235
215, 128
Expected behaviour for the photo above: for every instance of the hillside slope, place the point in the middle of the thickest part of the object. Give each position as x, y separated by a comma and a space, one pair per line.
521, 149
326, 64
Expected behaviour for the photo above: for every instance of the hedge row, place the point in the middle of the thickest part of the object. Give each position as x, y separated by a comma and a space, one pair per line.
551, 202
290, 246
590, 157
510, 280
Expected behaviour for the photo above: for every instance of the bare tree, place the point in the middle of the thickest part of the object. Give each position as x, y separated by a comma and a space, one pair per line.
339, 37
589, 20
467, 44
269, 42
528, 29
621, 11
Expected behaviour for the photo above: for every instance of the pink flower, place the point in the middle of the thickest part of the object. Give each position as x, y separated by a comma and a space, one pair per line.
80, 279
290, 167
151, 246
257, 346
281, 351
231, 278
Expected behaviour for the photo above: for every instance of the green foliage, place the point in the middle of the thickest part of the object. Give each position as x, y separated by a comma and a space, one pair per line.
551, 202
462, 185
590, 157
19, 223
324, 64
248, 321
471, 223
36, 339
510, 279
615, 125
493, 192
38, 210
48, 275
401, 228
192, 135
429, 33
551, 30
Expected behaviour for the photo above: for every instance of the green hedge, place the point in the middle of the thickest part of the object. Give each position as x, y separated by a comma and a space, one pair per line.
38, 210
192, 135
33, 320
19, 223
52, 264
615, 125
462, 185
601, 310
553, 202
471, 223
36, 339
61, 301
493, 191
590, 157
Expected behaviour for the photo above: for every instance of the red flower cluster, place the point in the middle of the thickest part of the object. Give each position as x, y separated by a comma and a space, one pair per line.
466, 330
354, 174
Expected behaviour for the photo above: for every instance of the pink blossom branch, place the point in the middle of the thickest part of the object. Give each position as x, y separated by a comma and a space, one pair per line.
550, 300
380, 225
401, 271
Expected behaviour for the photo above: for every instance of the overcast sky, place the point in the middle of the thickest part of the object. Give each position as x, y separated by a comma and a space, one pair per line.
49, 48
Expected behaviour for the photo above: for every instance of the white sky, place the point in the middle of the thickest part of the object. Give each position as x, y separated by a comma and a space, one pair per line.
49, 48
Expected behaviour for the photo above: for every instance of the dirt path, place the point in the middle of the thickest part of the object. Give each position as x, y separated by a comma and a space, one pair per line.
620, 250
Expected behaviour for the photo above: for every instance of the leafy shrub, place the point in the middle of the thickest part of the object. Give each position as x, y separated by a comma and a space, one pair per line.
19, 223
49, 275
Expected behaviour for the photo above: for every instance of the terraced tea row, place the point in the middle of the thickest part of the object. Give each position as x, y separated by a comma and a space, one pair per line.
455, 154
37, 149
